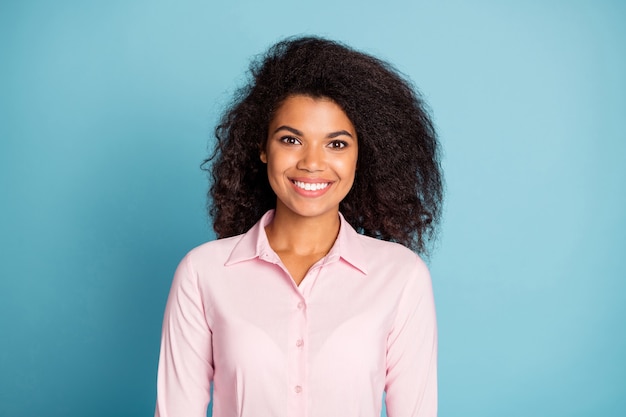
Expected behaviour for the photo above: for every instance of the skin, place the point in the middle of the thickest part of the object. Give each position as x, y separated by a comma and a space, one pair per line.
311, 156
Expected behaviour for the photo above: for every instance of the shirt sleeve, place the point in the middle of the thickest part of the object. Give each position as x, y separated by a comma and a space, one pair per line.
411, 379
185, 362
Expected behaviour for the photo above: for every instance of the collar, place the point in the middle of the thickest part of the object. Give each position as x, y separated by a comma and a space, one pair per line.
254, 244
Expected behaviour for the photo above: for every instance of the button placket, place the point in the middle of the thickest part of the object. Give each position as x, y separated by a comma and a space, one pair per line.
297, 356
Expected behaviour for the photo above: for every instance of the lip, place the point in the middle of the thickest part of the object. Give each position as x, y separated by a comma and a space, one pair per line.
311, 193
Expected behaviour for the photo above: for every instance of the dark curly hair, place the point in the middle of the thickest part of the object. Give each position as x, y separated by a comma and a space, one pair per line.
398, 188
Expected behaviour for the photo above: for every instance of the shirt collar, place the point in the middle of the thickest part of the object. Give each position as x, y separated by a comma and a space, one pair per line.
254, 244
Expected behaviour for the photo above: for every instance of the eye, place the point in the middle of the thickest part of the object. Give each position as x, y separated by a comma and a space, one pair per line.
337, 144
290, 140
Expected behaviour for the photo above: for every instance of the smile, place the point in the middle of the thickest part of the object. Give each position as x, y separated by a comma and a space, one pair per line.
311, 186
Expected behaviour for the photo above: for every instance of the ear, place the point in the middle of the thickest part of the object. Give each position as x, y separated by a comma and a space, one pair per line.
263, 157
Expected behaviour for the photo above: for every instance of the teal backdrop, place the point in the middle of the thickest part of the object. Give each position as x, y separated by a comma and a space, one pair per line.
106, 112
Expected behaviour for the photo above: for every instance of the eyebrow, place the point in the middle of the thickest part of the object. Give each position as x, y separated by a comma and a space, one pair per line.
331, 135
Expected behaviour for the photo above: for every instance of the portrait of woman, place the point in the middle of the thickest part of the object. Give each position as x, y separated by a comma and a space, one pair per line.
237, 208
314, 300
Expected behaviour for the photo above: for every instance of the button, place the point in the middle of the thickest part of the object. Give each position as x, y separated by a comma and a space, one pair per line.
298, 389
300, 305
299, 342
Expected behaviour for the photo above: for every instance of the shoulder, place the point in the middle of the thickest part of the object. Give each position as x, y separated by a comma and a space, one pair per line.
201, 263
391, 251
213, 254
379, 257
392, 261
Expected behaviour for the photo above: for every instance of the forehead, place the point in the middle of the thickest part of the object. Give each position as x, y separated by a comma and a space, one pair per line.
312, 112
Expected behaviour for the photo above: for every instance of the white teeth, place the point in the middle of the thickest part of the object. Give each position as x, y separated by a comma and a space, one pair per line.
308, 186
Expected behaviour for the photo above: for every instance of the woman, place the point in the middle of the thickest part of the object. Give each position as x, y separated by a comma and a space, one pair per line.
311, 303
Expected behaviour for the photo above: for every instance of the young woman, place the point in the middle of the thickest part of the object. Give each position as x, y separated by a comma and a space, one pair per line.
311, 303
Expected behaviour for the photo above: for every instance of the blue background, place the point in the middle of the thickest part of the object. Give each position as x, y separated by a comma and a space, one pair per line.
106, 112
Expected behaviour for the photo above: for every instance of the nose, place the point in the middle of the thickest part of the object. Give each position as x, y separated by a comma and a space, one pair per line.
312, 159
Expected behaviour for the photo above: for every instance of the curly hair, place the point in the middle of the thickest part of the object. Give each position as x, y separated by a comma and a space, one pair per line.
398, 188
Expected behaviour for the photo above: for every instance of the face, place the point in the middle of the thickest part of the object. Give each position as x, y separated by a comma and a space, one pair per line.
311, 156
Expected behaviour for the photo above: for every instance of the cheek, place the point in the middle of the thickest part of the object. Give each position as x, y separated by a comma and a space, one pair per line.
279, 160
274, 163
348, 167
277, 164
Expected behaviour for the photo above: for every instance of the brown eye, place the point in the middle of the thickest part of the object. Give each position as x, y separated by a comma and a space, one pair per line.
290, 140
337, 144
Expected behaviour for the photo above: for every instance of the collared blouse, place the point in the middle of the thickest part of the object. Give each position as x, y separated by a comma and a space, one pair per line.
362, 321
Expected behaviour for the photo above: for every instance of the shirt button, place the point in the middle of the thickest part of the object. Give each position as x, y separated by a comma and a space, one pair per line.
299, 342
300, 305
297, 389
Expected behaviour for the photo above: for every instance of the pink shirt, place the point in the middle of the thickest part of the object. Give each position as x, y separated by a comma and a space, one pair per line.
362, 321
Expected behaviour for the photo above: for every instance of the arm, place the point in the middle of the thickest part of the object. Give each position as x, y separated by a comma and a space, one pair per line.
411, 380
185, 362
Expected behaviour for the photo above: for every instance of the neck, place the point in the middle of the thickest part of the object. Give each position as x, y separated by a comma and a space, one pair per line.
289, 232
